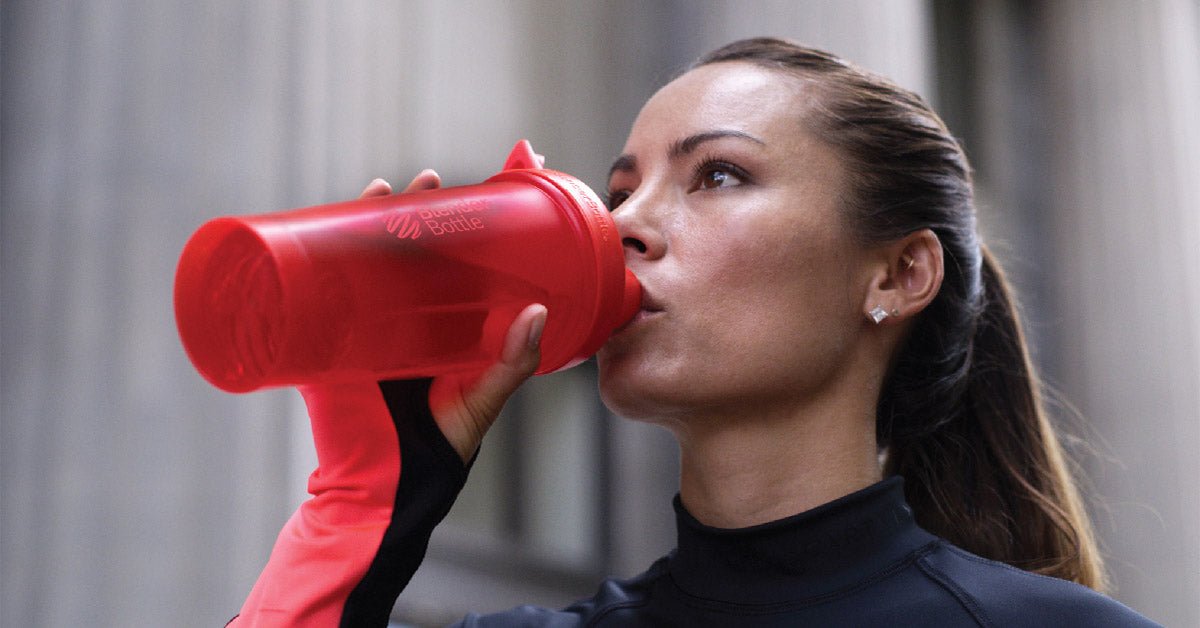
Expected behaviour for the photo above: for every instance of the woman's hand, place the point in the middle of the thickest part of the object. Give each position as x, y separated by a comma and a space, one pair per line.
466, 404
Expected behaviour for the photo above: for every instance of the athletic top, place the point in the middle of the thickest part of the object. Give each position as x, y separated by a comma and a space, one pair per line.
860, 560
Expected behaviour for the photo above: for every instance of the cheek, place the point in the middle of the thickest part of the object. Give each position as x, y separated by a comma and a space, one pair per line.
781, 327
771, 313
781, 273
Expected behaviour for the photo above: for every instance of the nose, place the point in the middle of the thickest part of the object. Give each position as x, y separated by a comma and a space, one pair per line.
641, 229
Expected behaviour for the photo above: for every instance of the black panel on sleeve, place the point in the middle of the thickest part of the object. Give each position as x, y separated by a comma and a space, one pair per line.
431, 476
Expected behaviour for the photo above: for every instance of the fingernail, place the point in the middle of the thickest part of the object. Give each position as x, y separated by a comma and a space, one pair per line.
535, 330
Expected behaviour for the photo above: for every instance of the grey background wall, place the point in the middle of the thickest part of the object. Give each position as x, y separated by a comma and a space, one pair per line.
134, 494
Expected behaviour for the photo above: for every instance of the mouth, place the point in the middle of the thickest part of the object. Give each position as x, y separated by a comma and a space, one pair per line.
650, 307
650, 303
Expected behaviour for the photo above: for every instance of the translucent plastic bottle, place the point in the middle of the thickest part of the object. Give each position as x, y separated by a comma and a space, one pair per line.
406, 285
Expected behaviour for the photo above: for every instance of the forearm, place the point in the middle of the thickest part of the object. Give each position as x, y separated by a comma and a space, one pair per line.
386, 477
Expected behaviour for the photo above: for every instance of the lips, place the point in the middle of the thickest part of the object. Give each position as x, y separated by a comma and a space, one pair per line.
649, 302
650, 306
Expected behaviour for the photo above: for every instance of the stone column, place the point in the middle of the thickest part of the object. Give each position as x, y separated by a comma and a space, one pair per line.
1124, 83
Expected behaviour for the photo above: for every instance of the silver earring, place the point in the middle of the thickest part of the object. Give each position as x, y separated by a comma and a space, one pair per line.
877, 314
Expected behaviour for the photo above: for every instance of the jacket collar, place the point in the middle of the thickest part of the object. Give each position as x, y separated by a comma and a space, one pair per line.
818, 552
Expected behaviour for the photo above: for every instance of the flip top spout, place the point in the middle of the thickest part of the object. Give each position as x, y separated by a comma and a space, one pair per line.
522, 157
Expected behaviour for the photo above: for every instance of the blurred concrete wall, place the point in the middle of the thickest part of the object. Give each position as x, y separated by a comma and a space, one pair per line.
1124, 224
134, 494
1082, 119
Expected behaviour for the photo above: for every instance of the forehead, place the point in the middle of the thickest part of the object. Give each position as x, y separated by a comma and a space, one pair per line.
729, 95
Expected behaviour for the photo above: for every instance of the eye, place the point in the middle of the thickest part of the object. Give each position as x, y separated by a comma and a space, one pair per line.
613, 200
712, 174
715, 179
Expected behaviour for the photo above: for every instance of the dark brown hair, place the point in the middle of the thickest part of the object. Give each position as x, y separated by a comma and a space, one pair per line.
959, 414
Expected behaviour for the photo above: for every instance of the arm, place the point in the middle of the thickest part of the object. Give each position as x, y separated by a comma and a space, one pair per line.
392, 457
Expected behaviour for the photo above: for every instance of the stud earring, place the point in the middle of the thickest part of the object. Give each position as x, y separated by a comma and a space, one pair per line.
877, 314
895, 311
908, 261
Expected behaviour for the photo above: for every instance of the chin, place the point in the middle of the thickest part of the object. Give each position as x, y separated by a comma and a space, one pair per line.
623, 404
619, 386
631, 390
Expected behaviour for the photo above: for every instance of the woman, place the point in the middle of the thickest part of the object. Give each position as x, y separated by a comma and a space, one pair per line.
832, 346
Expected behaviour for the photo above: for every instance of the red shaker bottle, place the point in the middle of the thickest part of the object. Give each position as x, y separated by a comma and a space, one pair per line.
409, 285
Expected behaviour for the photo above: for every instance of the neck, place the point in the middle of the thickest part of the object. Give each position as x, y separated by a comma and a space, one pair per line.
743, 469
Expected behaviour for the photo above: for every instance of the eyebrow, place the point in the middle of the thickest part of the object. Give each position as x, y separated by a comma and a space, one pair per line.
688, 144
624, 163
683, 147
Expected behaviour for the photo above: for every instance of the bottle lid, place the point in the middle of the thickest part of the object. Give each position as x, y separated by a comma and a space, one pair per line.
612, 293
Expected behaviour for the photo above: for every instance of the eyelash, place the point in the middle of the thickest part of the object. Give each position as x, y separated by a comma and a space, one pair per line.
610, 196
713, 163
703, 167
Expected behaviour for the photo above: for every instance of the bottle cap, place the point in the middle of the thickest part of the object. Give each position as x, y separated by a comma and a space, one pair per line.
610, 293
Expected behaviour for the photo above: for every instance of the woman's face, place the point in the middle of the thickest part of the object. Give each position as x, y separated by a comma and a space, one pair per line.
730, 214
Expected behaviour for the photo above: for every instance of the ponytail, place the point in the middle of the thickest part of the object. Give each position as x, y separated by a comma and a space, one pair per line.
992, 477
959, 414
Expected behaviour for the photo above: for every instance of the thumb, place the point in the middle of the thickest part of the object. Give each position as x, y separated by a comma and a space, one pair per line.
465, 407
518, 360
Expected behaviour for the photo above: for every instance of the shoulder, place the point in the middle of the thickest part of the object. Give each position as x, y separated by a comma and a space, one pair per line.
616, 600
1002, 595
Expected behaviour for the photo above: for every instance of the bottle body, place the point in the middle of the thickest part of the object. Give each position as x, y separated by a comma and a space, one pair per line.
409, 285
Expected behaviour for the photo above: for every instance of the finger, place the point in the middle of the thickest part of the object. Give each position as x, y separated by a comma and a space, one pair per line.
466, 405
377, 187
524, 337
518, 360
427, 179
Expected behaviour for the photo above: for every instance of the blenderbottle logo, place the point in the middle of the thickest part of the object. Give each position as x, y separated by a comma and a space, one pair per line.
457, 216
403, 226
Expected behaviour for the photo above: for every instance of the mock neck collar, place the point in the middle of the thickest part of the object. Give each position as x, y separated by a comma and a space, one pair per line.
817, 552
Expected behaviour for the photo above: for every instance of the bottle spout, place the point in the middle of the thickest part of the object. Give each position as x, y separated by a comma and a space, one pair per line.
631, 299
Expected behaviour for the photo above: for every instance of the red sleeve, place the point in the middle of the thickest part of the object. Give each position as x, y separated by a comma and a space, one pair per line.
385, 477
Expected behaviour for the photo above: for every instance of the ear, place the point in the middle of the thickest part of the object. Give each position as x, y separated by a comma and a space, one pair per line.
906, 278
